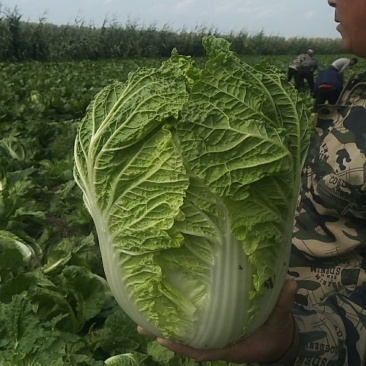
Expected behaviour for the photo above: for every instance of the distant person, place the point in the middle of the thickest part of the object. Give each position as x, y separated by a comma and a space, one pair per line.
328, 87
342, 64
305, 72
293, 67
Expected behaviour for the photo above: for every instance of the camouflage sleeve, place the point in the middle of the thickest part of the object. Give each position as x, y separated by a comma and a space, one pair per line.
333, 332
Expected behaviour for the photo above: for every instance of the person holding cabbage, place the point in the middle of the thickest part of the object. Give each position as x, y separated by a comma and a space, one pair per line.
320, 316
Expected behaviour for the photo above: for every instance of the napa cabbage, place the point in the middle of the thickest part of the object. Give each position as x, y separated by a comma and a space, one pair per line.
191, 176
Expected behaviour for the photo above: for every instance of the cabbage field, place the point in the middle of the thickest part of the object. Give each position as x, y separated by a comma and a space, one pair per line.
55, 305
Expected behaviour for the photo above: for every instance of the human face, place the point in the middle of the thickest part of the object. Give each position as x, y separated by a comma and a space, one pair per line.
351, 16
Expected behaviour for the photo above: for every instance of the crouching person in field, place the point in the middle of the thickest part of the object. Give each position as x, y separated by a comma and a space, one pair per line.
328, 87
305, 72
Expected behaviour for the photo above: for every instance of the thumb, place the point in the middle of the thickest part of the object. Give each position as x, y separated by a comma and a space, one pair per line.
287, 297
285, 301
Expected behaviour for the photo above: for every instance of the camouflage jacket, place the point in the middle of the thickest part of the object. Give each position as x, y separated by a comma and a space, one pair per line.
304, 57
329, 247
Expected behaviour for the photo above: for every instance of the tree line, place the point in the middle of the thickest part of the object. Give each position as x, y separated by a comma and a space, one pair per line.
41, 41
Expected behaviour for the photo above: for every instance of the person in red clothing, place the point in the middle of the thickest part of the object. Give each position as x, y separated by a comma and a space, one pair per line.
320, 316
328, 87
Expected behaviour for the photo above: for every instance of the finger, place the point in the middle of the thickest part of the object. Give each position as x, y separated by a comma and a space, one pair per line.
199, 355
281, 319
287, 297
144, 332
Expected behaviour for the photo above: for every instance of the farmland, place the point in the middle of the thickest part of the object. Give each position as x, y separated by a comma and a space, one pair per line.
55, 305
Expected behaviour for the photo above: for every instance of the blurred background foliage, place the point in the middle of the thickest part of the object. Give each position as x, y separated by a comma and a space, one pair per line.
41, 41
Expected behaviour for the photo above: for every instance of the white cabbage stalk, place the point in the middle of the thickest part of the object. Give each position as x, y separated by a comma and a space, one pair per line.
191, 177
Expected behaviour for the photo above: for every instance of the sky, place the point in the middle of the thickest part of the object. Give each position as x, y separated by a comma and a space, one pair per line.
284, 18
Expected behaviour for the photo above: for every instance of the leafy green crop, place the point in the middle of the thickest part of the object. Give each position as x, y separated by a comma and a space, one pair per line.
191, 176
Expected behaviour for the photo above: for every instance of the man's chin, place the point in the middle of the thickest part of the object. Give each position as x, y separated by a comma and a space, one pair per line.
346, 44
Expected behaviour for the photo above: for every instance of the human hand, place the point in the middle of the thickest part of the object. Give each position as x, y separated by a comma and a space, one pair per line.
268, 344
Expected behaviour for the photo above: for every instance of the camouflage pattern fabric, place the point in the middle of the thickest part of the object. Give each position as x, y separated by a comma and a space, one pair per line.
328, 258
